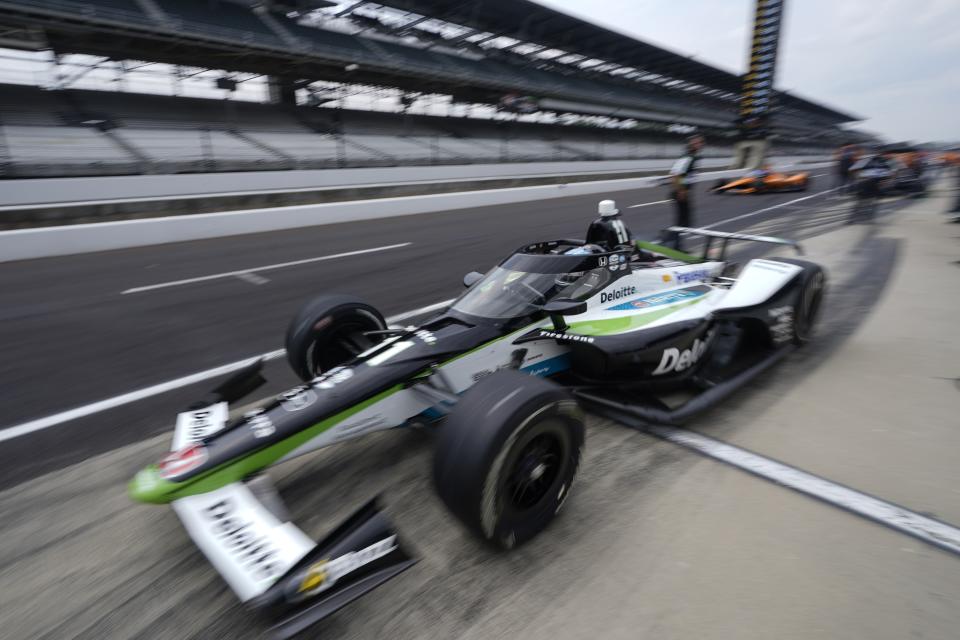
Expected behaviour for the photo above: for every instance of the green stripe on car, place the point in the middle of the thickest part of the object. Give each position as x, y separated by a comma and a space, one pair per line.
623, 324
668, 252
148, 486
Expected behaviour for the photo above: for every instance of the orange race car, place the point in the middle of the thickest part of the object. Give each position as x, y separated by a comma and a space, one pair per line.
764, 181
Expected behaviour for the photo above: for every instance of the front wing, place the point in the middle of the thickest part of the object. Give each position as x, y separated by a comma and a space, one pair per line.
268, 562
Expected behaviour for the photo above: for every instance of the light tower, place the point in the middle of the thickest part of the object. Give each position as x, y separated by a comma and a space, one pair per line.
757, 97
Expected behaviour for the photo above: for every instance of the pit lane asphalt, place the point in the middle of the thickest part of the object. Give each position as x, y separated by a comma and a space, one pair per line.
655, 542
70, 337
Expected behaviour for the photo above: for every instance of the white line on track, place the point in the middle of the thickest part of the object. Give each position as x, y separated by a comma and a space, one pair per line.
746, 215
269, 267
886, 513
253, 278
65, 416
766, 209
647, 204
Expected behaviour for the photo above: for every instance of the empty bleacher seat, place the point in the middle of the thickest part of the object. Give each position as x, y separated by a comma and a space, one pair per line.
64, 151
307, 148
22, 105
227, 147
67, 145
531, 149
151, 112
393, 147
473, 150
172, 150
171, 134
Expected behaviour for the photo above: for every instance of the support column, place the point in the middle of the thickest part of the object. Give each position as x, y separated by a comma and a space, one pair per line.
282, 91
758, 94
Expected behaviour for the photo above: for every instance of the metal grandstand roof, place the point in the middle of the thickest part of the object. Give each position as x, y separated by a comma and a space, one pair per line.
230, 36
533, 22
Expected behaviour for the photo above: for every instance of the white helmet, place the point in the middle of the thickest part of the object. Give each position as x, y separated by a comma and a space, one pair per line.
607, 208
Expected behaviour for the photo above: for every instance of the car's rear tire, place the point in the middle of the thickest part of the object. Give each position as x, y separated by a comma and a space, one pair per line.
507, 456
806, 308
329, 331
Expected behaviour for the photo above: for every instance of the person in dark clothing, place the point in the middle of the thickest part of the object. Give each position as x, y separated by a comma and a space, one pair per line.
845, 160
608, 231
871, 173
681, 180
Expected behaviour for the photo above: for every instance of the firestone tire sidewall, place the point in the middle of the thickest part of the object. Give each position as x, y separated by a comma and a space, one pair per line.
807, 308
809, 298
506, 526
479, 441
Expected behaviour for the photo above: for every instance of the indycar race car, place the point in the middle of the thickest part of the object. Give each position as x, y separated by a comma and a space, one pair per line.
764, 181
505, 372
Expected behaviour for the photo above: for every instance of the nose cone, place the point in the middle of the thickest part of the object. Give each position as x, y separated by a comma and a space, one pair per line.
147, 486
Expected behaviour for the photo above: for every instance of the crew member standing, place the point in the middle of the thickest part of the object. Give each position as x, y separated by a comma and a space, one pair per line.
871, 172
845, 159
681, 178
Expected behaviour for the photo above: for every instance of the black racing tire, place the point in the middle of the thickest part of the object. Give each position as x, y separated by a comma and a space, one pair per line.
507, 456
806, 184
806, 308
329, 331
718, 185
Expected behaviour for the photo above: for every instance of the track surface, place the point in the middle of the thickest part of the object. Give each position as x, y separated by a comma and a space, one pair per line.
71, 337
654, 542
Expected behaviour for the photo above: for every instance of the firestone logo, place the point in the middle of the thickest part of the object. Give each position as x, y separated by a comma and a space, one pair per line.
565, 336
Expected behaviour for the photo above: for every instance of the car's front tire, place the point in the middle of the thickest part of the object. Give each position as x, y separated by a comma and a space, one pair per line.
329, 331
507, 456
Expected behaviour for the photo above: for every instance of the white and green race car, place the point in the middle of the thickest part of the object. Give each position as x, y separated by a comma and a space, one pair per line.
504, 372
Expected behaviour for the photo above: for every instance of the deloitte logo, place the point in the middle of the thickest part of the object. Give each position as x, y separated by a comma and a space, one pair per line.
675, 360
617, 294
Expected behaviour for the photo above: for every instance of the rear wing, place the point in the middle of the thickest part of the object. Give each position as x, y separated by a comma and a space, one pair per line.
725, 237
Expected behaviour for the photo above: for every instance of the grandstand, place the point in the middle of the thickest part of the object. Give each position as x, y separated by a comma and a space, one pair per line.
635, 96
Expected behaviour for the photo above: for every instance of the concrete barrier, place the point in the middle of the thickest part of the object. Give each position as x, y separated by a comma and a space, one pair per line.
112, 188
23, 244
56, 214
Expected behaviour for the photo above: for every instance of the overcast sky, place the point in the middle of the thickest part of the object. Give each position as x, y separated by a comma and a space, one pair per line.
894, 62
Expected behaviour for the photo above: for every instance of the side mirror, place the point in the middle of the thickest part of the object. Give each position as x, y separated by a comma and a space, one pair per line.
560, 307
472, 278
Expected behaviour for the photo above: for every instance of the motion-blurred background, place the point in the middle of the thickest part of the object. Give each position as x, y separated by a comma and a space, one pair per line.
178, 176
